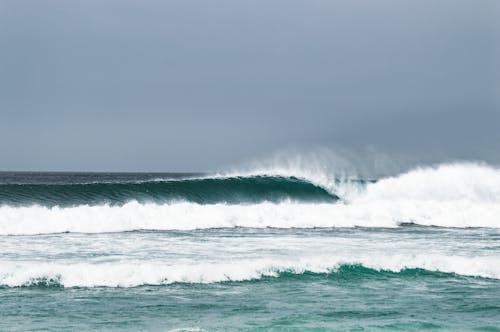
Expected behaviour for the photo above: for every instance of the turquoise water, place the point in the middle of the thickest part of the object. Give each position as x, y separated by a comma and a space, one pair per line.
348, 297
352, 300
419, 251
199, 190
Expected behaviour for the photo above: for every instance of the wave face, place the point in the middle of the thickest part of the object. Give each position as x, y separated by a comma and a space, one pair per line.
252, 189
454, 195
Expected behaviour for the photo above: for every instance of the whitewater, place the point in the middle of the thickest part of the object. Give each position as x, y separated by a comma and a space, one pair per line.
453, 195
293, 248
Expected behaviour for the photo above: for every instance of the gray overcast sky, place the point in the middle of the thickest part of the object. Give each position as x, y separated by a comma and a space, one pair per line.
195, 85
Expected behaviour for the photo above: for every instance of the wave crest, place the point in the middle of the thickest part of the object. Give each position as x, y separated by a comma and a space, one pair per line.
208, 190
132, 274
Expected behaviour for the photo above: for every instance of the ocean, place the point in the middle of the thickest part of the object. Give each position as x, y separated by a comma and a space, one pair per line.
262, 250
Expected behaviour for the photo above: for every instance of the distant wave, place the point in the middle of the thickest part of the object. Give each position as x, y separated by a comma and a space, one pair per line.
207, 190
137, 273
454, 195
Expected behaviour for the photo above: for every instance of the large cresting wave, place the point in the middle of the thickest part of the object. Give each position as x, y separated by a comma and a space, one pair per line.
208, 190
451, 195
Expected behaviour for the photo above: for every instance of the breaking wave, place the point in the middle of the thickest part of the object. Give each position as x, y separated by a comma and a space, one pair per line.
451, 195
138, 273
249, 189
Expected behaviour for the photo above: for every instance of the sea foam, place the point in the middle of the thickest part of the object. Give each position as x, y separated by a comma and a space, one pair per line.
137, 273
453, 195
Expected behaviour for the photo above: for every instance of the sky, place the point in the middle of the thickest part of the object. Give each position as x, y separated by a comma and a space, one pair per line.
195, 85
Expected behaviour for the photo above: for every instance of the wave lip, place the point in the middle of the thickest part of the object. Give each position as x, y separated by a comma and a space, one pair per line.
138, 273
203, 190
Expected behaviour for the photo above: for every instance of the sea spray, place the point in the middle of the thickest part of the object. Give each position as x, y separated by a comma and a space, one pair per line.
450, 195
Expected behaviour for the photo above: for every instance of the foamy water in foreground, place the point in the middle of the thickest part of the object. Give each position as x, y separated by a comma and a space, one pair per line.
159, 258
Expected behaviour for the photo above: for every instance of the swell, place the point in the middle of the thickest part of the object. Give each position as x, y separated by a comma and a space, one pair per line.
134, 274
450, 195
251, 189
351, 273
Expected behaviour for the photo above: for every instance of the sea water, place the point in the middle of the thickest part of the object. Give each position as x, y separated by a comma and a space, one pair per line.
264, 251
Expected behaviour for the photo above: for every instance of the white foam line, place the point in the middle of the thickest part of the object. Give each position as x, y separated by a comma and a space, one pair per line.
136, 273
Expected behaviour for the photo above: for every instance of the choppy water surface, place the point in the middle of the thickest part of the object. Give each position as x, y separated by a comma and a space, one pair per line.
420, 250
